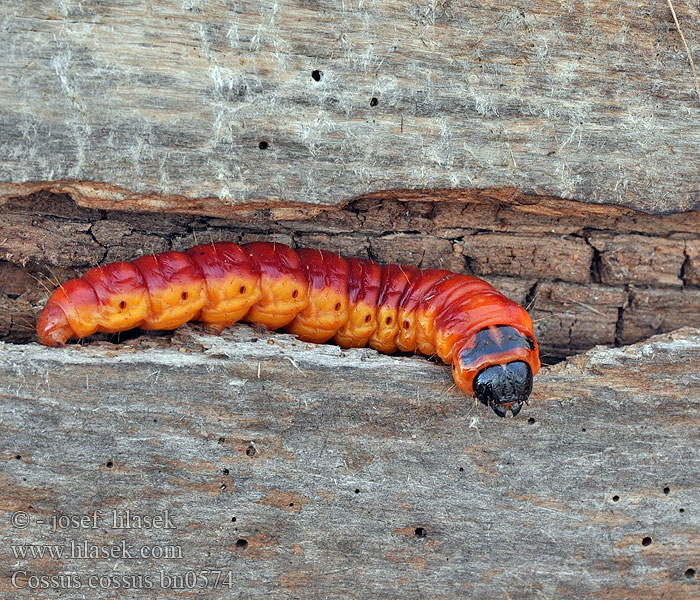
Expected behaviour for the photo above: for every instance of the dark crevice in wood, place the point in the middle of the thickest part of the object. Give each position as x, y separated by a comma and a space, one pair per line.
600, 275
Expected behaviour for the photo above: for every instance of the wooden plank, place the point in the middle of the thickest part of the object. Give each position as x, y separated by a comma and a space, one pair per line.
201, 107
308, 471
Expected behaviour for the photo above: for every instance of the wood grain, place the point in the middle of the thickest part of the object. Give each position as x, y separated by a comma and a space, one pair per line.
313, 472
167, 105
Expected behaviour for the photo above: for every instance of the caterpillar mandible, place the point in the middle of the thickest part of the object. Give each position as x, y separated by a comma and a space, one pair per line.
318, 296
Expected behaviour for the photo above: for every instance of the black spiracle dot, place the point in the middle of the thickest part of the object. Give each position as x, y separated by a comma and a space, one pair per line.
316, 75
420, 532
646, 541
241, 544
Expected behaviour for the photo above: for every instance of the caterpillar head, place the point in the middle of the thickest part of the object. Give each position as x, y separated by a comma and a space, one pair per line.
495, 366
504, 387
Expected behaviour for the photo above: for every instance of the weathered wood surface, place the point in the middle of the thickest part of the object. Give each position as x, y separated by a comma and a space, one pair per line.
197, 106
312, 472
590, 274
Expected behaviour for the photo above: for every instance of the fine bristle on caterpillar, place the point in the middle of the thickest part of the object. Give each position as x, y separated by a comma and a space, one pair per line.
318, 296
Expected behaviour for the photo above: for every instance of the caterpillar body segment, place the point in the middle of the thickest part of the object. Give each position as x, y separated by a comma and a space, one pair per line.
318, 296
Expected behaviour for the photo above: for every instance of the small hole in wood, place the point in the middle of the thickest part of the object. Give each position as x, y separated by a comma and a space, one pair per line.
109, 464
226, 471
583, 429
18, 457
233, 519
373, 102
263, 145
616, 498
295, 294
681, 510
368, 318
420, 532
122, 304
250, 450
357, 490
667, 490
531, 421
689, 573
316, 75
222, 440
461, 469
242, 289
291, 504
337, 306
646, 541
241, 544
184, 295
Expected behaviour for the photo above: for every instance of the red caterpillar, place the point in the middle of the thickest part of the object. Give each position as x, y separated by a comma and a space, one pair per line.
318, 296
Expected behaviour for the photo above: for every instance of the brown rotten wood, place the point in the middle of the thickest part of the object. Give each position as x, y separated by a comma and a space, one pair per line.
213, 108
309, 471
590, 274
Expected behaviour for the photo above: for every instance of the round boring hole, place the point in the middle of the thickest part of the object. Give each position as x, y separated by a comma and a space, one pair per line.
357, 490
225, 471
233, 519
109, 464
263, 145
250, 450
616, 498
373, 102
316, 75
667, 490
689, 573
420, 532
241, 544
646, 541
531, 421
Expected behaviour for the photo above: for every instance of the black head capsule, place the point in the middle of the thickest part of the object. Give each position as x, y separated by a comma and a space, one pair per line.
504, 387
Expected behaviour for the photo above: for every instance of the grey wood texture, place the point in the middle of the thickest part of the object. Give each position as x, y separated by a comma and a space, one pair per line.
164, 105
352, 474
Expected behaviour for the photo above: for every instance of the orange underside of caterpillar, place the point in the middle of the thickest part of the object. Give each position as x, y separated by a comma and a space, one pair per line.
314, 294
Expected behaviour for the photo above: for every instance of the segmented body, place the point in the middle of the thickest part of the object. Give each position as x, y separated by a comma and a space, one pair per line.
315, 294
